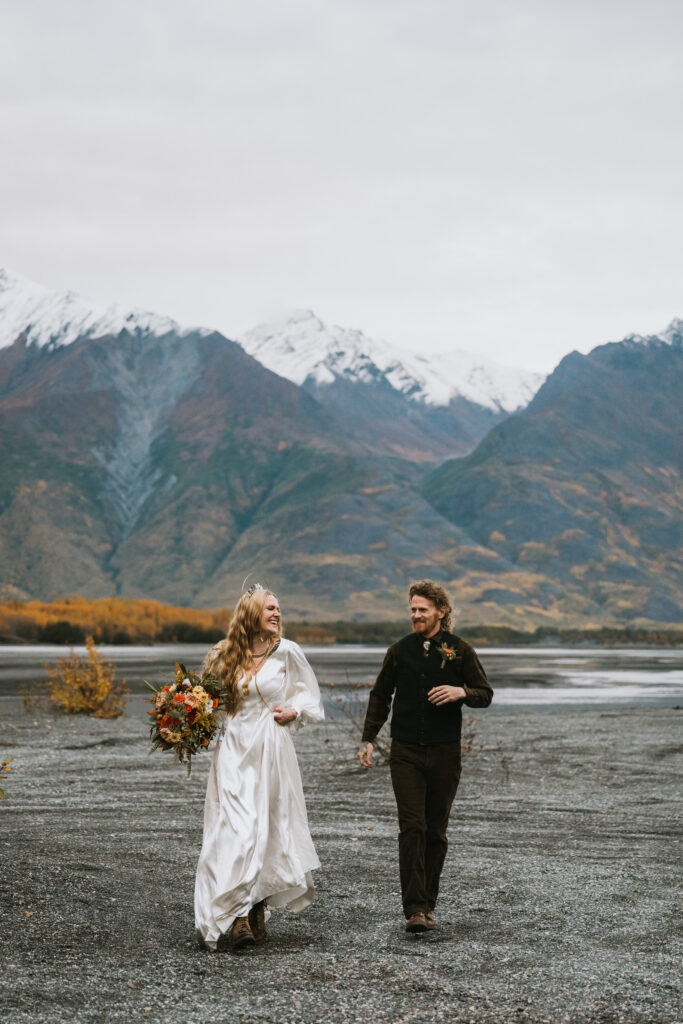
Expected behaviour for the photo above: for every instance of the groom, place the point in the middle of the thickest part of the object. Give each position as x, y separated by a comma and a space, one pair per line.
429, 674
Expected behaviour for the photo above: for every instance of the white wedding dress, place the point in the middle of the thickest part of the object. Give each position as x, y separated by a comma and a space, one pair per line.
257, 844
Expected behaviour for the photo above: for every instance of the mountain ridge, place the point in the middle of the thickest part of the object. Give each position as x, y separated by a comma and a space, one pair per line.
307, 351
50, 319
171, 465
397, 404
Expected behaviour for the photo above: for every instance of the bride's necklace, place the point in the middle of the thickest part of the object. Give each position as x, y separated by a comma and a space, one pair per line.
263, 653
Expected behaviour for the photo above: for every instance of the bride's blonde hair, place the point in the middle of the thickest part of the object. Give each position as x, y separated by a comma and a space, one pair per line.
230, 659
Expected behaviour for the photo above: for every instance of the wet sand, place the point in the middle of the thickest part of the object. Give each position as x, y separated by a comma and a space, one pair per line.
558, 896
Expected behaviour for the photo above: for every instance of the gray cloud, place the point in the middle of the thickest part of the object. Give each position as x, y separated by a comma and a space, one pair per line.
501, 176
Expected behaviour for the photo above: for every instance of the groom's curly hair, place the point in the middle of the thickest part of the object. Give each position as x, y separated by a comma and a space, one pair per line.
434, 592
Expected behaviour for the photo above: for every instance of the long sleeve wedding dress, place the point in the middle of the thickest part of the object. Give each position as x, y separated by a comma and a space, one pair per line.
257, 843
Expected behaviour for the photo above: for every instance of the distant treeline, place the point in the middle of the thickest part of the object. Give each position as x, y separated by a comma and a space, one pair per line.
109, 620
113, 620
605, 636
483, 636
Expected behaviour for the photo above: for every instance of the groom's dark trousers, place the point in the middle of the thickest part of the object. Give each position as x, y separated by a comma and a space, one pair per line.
425, 780
425, 750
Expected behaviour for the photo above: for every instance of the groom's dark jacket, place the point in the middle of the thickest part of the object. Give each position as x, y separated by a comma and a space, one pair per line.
407, 675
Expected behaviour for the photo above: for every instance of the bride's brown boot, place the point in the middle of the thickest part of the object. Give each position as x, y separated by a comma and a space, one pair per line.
240, 934
257, 921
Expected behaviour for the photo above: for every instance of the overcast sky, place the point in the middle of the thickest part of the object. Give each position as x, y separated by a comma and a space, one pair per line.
496, 175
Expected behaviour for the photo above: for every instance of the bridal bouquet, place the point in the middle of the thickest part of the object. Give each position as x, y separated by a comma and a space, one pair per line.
185, 715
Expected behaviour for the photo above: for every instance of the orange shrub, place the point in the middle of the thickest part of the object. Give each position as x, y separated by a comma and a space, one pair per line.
4, 770
87, 687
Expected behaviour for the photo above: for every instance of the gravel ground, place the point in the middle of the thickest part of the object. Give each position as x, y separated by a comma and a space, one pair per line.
558, 896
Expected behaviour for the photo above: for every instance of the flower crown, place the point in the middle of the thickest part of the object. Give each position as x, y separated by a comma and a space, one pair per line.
253, 588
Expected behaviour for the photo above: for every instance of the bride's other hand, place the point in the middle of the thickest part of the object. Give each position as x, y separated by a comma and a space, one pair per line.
284, 715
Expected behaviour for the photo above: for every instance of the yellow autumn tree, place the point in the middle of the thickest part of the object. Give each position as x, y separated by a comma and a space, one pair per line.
68, 620
87, 686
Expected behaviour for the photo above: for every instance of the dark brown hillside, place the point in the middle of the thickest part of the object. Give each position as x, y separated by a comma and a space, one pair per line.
386, 422
585, 484
100, 438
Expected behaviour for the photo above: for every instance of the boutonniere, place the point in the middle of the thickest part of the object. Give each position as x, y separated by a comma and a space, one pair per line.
447, 654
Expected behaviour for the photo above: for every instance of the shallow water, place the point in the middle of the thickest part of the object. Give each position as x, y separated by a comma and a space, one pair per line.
520, 676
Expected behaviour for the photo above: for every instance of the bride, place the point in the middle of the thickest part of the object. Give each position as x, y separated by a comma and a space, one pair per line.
257, 847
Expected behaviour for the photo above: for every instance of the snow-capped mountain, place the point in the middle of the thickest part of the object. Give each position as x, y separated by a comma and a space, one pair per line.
51, 319
307, 351
672, 334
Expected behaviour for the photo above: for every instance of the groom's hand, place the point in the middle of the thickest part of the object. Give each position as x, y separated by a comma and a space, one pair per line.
445, 694
365, 755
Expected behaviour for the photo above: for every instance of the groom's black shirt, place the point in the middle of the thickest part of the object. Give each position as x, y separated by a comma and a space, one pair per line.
408, 674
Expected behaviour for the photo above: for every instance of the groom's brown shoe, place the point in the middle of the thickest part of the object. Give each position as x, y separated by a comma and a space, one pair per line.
417, 922
241, 934
430, 919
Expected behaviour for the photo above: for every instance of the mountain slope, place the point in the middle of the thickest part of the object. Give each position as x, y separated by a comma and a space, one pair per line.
173, 466
585, 484
148, 453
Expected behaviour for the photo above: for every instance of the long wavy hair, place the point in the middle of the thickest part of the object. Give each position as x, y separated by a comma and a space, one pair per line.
435, 593
230, 660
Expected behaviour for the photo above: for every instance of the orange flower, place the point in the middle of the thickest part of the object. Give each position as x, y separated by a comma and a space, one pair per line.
447, 654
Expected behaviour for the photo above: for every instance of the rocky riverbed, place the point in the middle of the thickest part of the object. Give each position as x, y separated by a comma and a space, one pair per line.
558, 896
